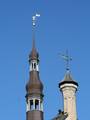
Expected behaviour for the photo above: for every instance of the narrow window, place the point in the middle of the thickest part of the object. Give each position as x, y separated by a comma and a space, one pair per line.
41, 105
36, 104
34, 65
31, 104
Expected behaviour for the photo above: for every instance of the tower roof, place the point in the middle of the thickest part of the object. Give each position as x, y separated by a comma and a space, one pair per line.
34, 54
68, 79
34, 85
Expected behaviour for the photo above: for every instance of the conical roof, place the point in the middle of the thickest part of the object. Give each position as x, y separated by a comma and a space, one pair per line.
68, 79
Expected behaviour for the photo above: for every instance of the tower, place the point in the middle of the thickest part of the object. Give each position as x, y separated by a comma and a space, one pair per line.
68, 87
34, 88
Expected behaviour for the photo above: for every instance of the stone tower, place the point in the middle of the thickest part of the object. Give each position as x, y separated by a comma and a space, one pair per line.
68, 87
34, 88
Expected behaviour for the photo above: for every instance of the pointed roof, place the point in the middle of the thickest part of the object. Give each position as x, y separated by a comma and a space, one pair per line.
34, 85
68, 79
34, 54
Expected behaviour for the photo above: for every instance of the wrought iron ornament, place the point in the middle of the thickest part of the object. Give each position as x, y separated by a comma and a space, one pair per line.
67, 59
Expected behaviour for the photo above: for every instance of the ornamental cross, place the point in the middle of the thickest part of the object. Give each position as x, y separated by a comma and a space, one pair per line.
67, 59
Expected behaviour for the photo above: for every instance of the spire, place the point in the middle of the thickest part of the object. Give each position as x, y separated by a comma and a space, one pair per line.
34, 87
33, 43
34, 84
34, 54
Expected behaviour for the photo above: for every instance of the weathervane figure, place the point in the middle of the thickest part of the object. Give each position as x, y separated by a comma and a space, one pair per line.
34, 20
67, 59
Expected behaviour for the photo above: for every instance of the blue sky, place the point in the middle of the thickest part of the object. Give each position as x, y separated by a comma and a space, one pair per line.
64, 24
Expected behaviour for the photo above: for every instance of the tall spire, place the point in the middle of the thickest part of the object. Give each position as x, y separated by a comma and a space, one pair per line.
33, 44
34, 54
34, 87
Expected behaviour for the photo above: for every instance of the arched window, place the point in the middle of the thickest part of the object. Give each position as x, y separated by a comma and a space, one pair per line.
31, 104
36, 104
34, 65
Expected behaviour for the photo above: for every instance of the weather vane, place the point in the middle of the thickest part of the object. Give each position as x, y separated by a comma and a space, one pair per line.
67, 59
34, 19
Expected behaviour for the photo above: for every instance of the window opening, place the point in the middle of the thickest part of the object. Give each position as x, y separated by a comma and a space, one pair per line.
36, 104
34, 65
31, 104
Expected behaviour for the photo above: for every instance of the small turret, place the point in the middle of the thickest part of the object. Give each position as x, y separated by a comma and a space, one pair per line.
68, 87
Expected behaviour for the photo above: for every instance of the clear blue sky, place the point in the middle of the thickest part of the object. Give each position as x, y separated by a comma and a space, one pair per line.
63, 24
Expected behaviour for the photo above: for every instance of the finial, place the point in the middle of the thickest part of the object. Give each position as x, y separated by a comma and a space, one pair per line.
67, 59
34, 19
